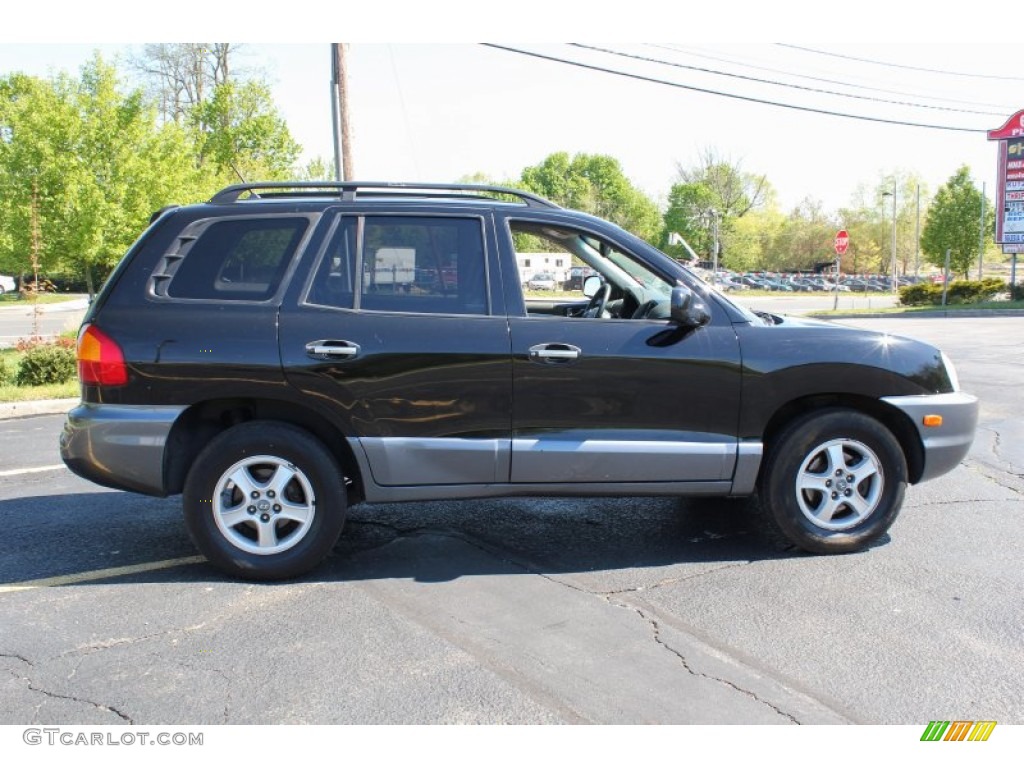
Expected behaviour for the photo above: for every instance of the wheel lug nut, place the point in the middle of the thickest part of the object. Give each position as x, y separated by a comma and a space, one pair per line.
849, 478
265, 518
835, 495
849, 492
277, 507
252, 510
255, 494
839, 473
270, 494
828, 483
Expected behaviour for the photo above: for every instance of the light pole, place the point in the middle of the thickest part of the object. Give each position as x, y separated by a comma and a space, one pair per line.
892, 274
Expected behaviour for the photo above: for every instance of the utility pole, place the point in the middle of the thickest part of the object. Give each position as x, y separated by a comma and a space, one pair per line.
340, 114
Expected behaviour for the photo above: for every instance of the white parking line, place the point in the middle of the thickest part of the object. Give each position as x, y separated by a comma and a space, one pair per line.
103, 573
30, 470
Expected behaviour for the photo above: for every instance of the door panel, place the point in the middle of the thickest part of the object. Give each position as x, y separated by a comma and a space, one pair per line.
643, 401
400, 337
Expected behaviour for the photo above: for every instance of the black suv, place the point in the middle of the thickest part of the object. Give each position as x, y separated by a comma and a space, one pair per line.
287, 350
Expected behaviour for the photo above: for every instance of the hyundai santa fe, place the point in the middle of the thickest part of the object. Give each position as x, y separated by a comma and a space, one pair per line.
287, 350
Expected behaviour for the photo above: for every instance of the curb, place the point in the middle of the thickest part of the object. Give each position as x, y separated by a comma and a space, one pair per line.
912, 315
36, 407
28, 307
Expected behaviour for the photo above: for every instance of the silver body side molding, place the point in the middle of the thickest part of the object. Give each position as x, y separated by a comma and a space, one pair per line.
431, 469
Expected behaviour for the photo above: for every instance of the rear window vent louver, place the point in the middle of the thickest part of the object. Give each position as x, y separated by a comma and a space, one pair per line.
170, 261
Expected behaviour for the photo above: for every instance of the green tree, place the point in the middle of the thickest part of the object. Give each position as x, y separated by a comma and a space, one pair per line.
750, 240
240, 133
127, 168
96, 163
686, 201
317, 169
39, 133
179, 76
953, 221
804, 239
735, 192
594, 184
720, 185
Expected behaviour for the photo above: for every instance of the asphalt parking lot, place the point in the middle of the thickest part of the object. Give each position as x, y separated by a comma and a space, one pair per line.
528, 610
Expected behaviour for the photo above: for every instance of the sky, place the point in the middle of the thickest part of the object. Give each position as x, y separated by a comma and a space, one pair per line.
427, 106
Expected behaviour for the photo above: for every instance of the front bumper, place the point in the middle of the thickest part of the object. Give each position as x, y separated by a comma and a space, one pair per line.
119, 446
945, 446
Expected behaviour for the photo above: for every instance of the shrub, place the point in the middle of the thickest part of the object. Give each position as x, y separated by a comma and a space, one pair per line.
1017, 292
6, 373
46, 364
920, 294
958, 292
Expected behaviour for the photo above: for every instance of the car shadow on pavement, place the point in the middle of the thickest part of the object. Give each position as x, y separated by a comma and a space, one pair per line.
76, 538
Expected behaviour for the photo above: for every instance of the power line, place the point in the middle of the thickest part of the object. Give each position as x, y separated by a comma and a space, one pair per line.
900, 66
702, 55
751, 99
779, 83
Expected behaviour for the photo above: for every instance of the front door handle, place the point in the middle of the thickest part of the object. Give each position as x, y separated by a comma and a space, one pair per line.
329, 348
555, 353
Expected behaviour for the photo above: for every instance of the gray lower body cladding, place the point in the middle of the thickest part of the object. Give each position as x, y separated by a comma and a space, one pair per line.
119, 446
946, 445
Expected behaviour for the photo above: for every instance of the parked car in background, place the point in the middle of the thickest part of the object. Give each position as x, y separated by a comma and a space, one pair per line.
574, 281
727, 283
7, 284
542, 281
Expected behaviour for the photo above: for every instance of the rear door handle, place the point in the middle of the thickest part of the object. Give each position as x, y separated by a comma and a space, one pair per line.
329, 348
555, 353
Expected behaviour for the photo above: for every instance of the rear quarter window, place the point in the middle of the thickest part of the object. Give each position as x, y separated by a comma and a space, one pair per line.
237, 259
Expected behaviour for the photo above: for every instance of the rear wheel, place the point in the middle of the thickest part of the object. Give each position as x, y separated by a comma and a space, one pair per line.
264, 500
834, 482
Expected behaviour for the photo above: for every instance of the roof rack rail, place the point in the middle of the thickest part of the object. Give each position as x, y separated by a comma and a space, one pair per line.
348, 190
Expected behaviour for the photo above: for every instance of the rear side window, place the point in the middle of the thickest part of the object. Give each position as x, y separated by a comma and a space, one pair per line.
233, 259
421, 264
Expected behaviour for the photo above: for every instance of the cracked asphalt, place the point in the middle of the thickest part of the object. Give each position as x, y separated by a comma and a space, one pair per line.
528, 610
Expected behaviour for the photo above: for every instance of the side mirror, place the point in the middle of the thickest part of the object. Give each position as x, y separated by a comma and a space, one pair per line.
591, 286
686, 309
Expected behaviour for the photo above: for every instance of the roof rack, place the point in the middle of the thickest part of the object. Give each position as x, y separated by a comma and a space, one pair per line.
348, 190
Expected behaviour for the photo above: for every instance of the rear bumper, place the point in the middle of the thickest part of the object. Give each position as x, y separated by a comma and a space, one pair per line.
945, 446
119, 446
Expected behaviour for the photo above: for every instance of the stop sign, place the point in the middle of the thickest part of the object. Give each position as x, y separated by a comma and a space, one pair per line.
842, 241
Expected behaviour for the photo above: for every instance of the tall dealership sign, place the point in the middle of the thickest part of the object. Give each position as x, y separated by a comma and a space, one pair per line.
1010, 184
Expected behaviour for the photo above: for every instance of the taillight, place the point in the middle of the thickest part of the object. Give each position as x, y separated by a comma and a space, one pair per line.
100, 360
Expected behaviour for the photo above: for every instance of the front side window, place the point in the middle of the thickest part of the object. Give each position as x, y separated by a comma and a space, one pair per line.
631, 289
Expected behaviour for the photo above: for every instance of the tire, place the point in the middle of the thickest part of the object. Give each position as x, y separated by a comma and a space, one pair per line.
295, 508
833, 483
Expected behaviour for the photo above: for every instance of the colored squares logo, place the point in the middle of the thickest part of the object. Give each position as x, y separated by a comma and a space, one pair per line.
958, 730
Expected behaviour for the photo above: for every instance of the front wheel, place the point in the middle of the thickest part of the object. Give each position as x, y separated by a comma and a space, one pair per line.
264, 500
834, 482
